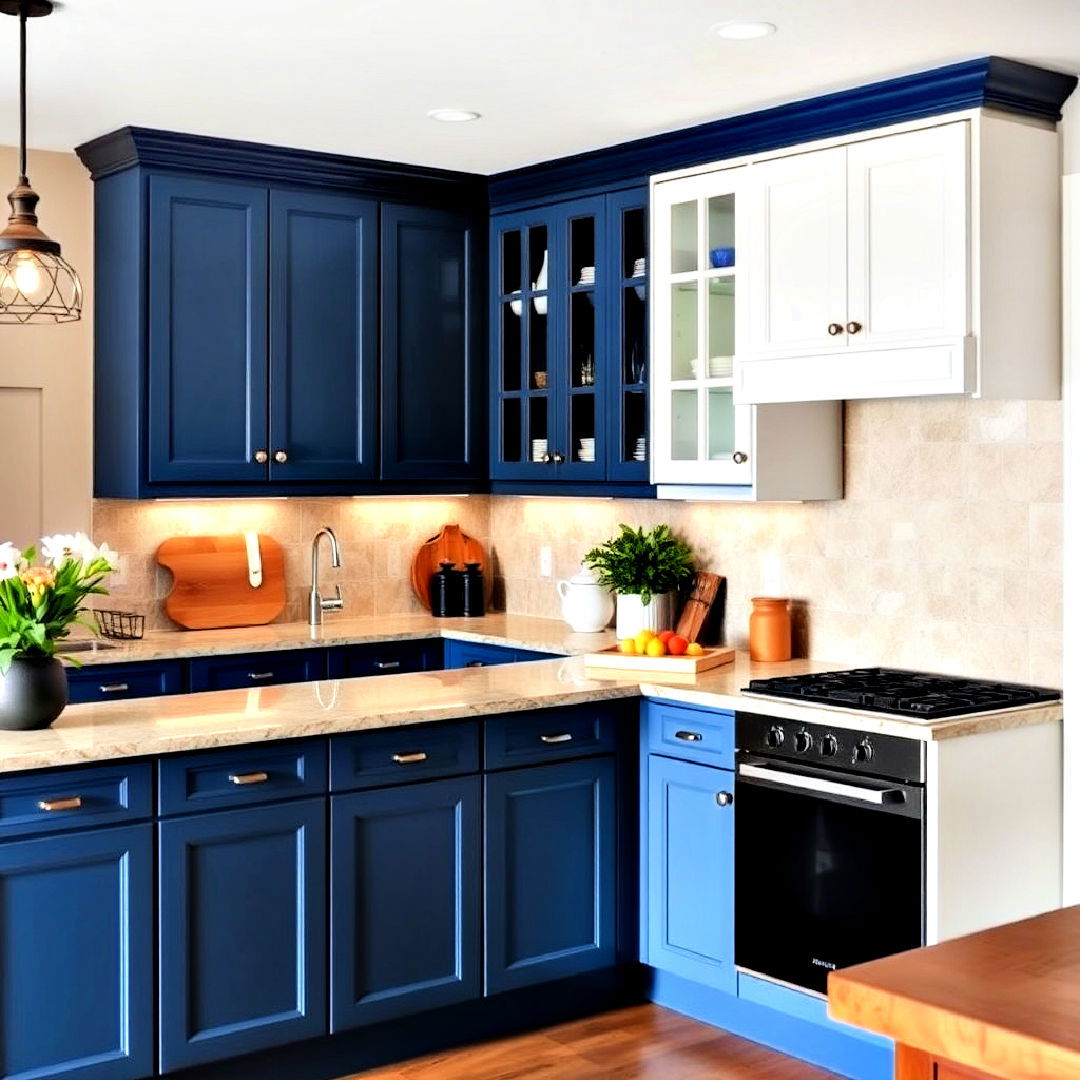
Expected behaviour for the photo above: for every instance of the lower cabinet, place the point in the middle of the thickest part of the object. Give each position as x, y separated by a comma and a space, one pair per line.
467, 654
76, 956
690, 858
404, 900
242, 931
550, 872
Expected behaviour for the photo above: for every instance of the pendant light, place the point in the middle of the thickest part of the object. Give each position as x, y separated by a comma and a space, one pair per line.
37, 285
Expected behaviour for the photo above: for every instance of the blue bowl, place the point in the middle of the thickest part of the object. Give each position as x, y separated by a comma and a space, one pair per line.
719, 257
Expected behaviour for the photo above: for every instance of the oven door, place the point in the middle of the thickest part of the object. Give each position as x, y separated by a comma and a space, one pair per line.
829, 870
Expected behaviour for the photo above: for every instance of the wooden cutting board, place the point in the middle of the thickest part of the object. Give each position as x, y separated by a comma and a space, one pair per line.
211, 587
451, 545
613, 660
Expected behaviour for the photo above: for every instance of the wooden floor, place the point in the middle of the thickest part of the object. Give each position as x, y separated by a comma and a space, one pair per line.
644, 1042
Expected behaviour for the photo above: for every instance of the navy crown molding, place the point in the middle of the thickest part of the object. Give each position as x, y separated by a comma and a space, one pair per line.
989, 81
131, 146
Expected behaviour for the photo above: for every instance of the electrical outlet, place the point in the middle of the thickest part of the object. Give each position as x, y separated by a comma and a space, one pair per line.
545, 561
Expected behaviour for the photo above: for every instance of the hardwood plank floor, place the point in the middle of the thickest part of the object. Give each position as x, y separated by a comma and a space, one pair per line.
644, 1042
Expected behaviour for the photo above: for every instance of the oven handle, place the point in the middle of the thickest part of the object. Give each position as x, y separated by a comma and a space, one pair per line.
874, 796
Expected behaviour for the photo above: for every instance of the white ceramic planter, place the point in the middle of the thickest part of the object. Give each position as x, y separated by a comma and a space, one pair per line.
586, 605
631, 615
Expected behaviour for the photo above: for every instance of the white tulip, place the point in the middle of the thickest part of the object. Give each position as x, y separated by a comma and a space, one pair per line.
9, 561
60, 547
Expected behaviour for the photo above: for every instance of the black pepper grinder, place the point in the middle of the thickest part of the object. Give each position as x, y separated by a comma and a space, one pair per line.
447, 592
474, 590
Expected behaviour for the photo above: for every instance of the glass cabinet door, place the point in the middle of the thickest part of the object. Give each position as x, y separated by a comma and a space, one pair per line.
703, 438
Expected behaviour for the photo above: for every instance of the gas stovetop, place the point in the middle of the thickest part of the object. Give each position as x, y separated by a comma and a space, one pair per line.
904, 693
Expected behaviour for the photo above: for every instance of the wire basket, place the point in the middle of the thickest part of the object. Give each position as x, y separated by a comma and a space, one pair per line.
121, 625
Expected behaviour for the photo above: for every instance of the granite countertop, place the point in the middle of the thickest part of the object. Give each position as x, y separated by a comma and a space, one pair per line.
162, 725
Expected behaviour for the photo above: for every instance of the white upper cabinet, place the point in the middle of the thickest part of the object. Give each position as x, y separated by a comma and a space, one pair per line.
923, 261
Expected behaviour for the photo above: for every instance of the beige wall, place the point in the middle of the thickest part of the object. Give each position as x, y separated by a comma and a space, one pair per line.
46, 372
945, 555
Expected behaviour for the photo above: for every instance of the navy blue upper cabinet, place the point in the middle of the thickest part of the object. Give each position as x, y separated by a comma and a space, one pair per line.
550, 842
568, 342
242, 931
434, 422
207, 331
323, 337
76, 956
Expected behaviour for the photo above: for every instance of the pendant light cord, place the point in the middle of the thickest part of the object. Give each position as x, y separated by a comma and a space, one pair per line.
22, 93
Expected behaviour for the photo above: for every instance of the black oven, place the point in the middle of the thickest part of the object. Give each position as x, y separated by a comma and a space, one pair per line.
829, 848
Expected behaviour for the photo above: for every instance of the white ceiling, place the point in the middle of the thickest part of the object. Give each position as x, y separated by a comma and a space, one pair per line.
551, 78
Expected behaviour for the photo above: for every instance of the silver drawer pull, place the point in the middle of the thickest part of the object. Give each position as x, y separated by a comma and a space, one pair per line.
258, 676
388, 665
563, 736
113, 687
688, 736
72, 802
242, 779
477, 663
411, 759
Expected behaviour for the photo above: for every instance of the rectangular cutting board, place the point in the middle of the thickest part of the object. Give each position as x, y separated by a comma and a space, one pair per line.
613, 660
210, 586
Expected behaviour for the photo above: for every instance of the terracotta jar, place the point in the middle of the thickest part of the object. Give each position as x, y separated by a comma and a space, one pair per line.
770, 629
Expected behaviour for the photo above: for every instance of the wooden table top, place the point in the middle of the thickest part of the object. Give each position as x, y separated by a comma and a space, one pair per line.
1004, 1001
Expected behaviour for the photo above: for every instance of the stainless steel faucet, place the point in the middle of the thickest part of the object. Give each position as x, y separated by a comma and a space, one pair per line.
316, 604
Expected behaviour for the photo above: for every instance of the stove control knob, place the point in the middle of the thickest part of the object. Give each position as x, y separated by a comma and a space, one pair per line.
829, 746
863, 752
774, 738
804, 741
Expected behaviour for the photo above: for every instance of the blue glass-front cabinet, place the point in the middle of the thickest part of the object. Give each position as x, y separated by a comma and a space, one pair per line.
76, 955
404, 900
568, 342
242, 931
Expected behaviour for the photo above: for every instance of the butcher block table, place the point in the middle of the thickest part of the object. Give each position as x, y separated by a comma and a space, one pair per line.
1001, 1004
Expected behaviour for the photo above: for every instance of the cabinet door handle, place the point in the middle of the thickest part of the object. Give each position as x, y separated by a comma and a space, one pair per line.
411, 759
242, 779
854, 327
113, 687
563, 736
688, 736
71, 802
835, 328
261, 457
388, 665
724, 798
259, 676
740, 458
280, 457
477, 663
557, 458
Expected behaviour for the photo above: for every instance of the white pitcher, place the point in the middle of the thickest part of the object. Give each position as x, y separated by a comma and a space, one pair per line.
586, 605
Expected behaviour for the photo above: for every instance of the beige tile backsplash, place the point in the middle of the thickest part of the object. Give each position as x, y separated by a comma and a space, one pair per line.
946, 553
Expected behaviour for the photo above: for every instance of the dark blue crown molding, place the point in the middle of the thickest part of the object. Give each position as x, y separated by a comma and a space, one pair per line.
989, 81
146, 147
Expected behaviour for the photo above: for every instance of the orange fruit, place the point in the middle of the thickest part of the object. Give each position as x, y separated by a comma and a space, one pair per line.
677, 645
628, 646
643, 638
656, 647
694, 649
665, 634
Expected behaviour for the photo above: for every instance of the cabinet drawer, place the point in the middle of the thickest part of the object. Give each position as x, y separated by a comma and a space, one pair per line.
240, 777
110, 682
691, 734
467, 654
74, 799
385, 658
397, 755
547, 735
257, 669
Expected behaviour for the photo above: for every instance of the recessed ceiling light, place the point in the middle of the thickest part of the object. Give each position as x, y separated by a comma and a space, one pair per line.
453, 116
744, 29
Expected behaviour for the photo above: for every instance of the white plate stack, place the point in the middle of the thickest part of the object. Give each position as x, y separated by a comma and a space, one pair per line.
588, 275
586, 449
719, 367
640, 449
539, 449
639, 271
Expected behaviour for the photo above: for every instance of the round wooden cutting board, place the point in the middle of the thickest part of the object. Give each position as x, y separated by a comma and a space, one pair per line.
451, 545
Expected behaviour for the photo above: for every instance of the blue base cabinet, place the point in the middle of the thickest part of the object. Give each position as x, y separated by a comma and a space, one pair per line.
404, 900
466, 654
690, 859
242, 931
76, 956
550, 873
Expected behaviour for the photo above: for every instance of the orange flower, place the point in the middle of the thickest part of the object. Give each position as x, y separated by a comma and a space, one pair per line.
37, 579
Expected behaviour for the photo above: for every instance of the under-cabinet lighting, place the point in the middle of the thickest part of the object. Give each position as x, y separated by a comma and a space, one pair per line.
744, 29
453, 116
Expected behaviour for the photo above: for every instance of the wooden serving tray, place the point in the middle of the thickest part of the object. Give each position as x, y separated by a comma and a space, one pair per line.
613, 660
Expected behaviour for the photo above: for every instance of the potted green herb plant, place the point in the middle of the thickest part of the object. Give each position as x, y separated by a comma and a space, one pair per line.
39, 602
644, 570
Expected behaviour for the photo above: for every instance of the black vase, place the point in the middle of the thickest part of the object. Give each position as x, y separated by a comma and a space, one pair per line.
33, 693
